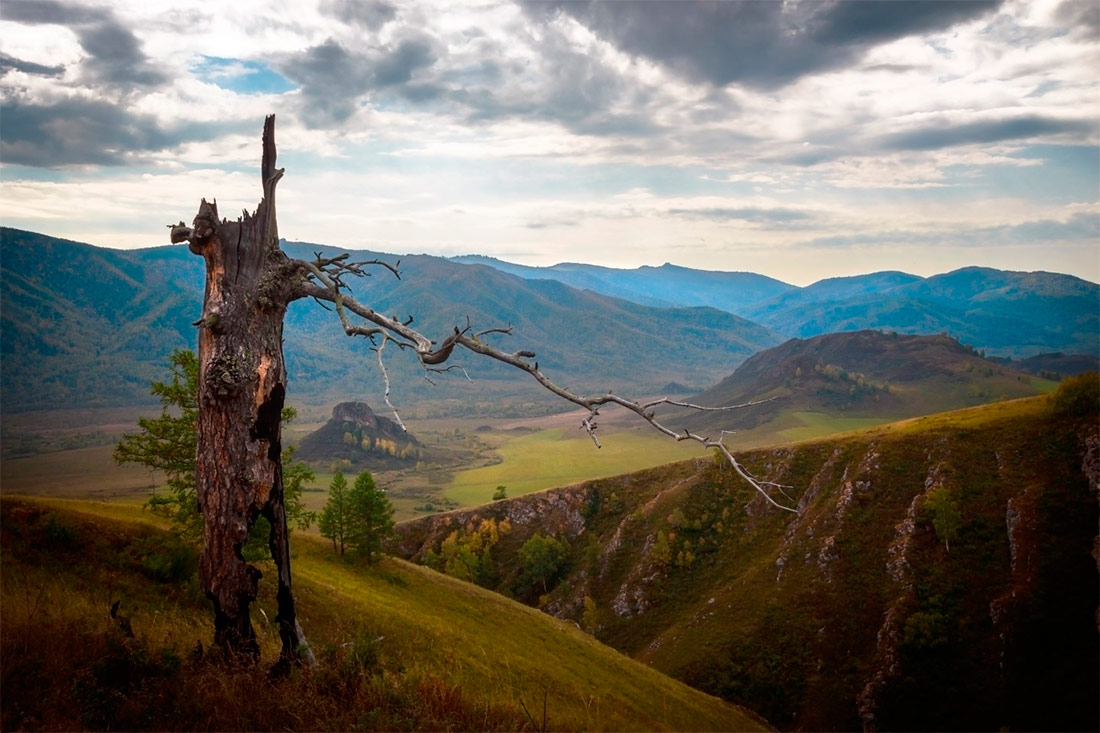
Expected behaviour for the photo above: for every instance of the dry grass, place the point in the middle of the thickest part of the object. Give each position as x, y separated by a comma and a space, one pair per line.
400, 647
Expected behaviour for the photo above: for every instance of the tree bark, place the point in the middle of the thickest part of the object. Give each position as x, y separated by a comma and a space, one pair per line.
242, 387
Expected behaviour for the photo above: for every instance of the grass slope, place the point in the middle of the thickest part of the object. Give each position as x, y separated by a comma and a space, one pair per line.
938, 576
401, 647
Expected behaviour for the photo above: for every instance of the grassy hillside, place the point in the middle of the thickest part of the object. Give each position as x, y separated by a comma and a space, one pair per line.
400, 647
939, 574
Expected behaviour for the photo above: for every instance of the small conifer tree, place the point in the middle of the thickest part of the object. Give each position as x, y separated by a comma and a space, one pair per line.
371, 516
335, 521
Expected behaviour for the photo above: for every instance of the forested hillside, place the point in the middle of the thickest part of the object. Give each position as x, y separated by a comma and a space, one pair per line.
934, 570
86, 326
861, 374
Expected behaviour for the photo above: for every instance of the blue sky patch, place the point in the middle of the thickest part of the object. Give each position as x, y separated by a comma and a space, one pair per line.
242, 77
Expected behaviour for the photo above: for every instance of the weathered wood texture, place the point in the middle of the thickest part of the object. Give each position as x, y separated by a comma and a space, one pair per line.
242, 386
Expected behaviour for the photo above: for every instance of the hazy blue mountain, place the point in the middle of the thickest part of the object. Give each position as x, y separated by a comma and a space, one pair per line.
1014, 314
667, 285
1010, 314
87, 326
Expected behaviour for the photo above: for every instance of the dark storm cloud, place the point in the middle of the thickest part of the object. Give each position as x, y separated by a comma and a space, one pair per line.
10, 63
759, 44
398, 63
574, 89
86, 132
992, 131
116, 59
371, 14
334, 79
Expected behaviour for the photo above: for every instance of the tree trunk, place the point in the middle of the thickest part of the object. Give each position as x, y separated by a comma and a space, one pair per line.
242, 386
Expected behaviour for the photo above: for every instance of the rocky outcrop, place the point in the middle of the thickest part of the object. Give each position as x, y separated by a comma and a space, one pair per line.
356, 435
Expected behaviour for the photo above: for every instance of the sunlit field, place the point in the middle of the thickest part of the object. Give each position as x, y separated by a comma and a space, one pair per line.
554, 458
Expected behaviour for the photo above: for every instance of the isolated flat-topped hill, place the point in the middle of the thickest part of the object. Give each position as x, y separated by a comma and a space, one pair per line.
355, 434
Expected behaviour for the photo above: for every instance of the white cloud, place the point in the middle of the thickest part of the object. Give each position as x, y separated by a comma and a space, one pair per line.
554, 139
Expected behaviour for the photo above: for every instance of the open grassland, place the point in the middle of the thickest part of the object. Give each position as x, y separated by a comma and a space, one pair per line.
552, 457
555, 453
399, 647
81, 472
809, 425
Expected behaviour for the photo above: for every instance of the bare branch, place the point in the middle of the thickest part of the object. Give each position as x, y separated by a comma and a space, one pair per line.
430, 356
386, 379
589, 425
443, 370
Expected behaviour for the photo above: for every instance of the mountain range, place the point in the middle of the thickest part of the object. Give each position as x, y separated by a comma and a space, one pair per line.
85, 326
1008, 314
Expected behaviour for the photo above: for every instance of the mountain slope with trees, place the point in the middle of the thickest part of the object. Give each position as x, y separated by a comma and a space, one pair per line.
1014, 314
939, 574
87, 326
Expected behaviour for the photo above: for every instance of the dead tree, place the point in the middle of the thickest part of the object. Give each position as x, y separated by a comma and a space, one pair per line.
242, 387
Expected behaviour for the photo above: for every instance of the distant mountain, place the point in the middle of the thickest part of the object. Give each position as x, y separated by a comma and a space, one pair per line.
356, 438
1010, 314
85, 326
859, 374
667, 285
1057, 365
1016, 314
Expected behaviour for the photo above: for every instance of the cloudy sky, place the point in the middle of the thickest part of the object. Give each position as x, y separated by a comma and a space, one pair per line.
801, 140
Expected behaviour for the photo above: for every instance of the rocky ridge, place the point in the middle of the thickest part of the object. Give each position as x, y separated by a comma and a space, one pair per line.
868, 609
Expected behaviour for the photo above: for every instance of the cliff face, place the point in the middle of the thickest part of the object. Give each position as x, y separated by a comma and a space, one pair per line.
941, 573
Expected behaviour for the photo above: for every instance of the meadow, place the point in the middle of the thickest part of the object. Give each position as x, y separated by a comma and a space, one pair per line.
549, 452
400, 646
554, 457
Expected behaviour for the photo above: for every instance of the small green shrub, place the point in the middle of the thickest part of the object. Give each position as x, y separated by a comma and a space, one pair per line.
166, 557
1077, 396
57, 532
